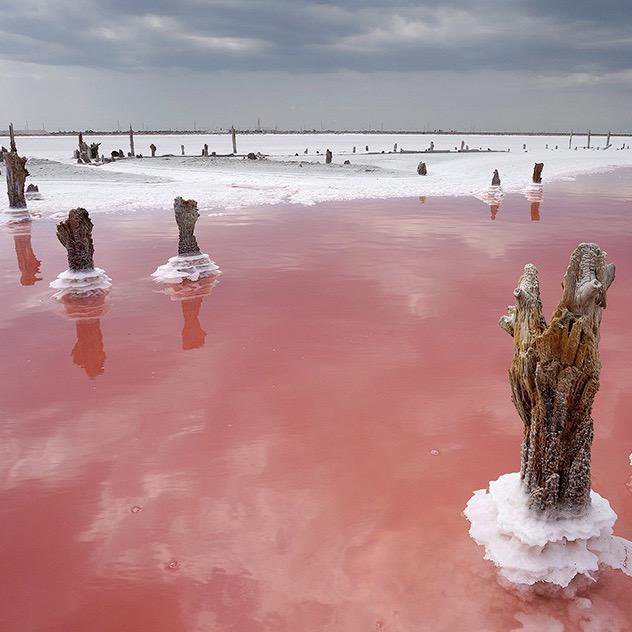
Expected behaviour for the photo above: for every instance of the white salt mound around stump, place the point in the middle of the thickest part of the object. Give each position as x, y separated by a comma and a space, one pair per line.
528, 548
181, 267
81, 282
534, 192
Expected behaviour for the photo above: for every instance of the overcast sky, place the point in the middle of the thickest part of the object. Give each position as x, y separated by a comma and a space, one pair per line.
484, 64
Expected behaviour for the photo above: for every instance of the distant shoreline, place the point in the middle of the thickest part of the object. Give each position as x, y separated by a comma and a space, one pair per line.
35, 133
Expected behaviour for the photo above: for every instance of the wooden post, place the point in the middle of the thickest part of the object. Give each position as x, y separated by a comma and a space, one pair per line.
233, 135
607, 140
328, 157
496, 178
75, 235
421, 169
182, 149
153, 148
186, 212
570, 140
15, 167
588, 139
537, 173
131, 142
554, 378
395, 147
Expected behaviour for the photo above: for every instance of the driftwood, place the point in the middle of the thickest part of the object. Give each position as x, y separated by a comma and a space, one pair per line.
496, 178
421, 169
537, 173
554, 378
328, 157
186, 212
75, 235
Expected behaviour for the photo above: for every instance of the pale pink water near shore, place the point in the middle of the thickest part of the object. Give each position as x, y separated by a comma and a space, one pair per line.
291, 448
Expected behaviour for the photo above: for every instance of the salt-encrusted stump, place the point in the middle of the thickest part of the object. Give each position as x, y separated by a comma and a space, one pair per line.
328, 157
75, 234
190, 264
152, 148
421, 169
537, 173
545, 524
554, 378
15, 166
496, 178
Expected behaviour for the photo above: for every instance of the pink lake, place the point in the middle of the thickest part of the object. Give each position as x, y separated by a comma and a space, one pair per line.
291, 448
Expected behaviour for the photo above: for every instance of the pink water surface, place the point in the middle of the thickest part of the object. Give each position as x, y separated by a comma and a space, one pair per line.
290, 448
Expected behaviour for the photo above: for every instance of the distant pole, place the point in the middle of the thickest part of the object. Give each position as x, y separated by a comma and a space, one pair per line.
131, 141
570, 140
608, 140
182, 149
233, 135
588, 139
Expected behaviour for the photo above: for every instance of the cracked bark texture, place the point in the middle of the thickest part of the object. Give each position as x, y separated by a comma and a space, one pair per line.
16, 175
554, 378
186, 216
75, 235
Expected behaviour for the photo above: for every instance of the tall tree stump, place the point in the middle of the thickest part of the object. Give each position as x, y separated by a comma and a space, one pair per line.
186, 212
328, 157
537, 173
152, 149
131, 142
554, 378
15, 166
233, 135
75, 235
496, 178
421, 169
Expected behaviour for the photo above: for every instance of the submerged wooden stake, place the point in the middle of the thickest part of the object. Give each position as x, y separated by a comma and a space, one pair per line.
554, 378
75, 235
186, 212
537, 173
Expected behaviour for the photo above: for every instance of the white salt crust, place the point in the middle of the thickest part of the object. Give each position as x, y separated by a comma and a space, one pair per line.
82, 282
492, 195
181, 267
528, 549
15, 215
534, 192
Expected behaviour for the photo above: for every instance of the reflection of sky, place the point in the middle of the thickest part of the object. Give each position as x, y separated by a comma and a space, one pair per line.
285, 464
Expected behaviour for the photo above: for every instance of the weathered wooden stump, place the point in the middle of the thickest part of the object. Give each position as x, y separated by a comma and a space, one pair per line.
495, 178
537, 173
421, 169
366, 148
152, 149
15, 167
182, 149
328, 157
252, 156
186, 212
94, 151
233, 135
554, 378
354, 150
75, 235
395, 147
431, 148
132, 152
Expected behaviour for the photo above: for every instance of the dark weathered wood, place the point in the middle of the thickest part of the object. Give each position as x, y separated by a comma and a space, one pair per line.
182, 149
537, 172
496, 178
15, 166
131, 142
152, 149
570, 140
233, 135
12, 138
94, 151
554, 378
589, 135
186, 212
75, 235
328, 157
421, 169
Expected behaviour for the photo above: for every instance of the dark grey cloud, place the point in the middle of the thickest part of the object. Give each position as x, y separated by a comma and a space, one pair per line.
555, 36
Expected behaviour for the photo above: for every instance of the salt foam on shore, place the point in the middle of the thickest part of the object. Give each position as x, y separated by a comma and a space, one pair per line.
181, 267
528, 549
